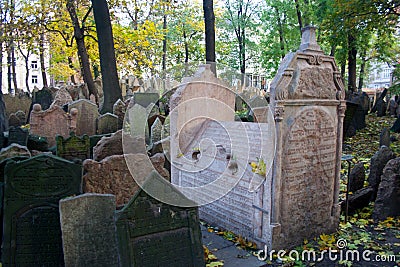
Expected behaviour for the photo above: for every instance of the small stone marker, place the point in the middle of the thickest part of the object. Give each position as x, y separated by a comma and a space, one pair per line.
89, 231
14, 121
156, 131
17, 135
14, 150
119, 109
384, 138
33, 188
152, 233
62, 97
357, 177
74, 147
107, 123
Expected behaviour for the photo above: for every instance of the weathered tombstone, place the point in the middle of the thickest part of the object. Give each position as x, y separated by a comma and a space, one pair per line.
112, 145
349, 128
17, 135
93, 140
388, 198
107, 123
62, 97
33, 188
14, 103
14, 150
396, 126
112, 176
14, 121
308, 99
89, 231
149, 230
74, 147
380, 107
393, 105
357, 177
378, 162
38, 143
87, 116
143, 99
52, 122
158, 161
119, 109
156, 131
21, 116
384, 138
2, 140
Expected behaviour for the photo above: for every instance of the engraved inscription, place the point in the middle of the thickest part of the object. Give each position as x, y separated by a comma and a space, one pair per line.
309, 171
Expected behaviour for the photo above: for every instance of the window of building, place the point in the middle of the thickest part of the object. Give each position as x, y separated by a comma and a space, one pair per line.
34, 64
34, 79
386, 73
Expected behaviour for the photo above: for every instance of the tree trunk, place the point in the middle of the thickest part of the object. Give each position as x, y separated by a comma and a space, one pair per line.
362, 70
82, 52
41, 58
26, 58
280, 30
14, 73
242, 51
164, 55
70, 64
352, 63
108, 66
209, 25
9, 71
299, 16
1, 63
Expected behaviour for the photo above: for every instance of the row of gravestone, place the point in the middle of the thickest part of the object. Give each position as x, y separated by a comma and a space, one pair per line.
44, 228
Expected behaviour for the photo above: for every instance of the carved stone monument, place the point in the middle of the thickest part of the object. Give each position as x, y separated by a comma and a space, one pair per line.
33, 188
307, 96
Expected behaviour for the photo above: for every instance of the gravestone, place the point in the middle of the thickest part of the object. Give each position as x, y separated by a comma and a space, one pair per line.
15, 103
378, 163
87, 116
143, 99
112, 176
107, 123
33, 188
17, 135
384, 137
357, 177
74, 147
119, 109
43, 97
38, 143
89, 231
388, 198
52, 122
14, 150
349, 127
156, 131
152, 233
2, 140
62, 97
14, 121
307, 96
21, 116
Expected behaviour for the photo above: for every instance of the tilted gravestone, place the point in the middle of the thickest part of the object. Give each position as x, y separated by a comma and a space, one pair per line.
152, 233
43, 97
87, 116
89, 231
143, 99
74, 147
33, 188
119, 109
62, 97
52, 122
107, 123
14, 121
17, 135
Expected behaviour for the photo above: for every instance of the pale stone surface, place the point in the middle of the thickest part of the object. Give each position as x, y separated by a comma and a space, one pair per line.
107, 123
89, 231
51, 122
61, 98
15, 103
112, 176
119, 109
87, 116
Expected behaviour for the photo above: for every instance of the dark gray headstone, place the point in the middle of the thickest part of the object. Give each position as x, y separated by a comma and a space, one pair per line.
357, 177
349, 128
21, 116
18, 135
359, 199
380, 107
3, 140
107, 123
152, 233
33, 188
73, 147
384, 137
88, 231
43, 97
14, 121
396, 126
143, 99
378, 162
388, 199
393, 107
38, 143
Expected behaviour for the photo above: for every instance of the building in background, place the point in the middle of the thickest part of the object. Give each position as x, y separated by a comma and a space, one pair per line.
380, 76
